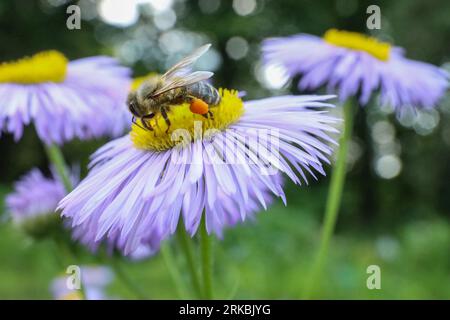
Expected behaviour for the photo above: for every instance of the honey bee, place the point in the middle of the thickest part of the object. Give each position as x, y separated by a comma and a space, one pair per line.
156, 95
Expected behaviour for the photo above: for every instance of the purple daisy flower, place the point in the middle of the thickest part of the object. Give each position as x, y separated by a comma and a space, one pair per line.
94, 280
64, 100
227, 166
35, 195
352, 64
32, 205
33, 202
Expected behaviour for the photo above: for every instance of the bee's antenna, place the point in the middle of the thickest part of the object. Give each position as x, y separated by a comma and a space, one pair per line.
133, 119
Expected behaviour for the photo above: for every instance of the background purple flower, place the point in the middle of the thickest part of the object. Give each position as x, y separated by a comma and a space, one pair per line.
348, 72
34, 195
33, 204
87, 103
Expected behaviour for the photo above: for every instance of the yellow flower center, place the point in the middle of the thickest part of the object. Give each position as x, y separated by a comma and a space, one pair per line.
358, 41
187, 126
47, 66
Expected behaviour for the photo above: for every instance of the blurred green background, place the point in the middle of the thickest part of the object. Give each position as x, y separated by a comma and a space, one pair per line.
396, 204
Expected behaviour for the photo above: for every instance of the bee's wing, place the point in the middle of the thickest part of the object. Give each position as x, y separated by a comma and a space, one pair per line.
184, 65
179, 75
184, 81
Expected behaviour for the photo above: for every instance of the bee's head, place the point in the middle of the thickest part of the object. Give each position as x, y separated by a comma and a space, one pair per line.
133, 104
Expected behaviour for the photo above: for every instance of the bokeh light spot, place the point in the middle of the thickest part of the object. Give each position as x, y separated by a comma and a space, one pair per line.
244, 7
388, 166
118, 12
237, 48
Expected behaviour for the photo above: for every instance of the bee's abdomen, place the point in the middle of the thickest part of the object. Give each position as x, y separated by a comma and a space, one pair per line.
204, 91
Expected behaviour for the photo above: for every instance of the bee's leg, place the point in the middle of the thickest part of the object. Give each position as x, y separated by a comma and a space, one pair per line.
149, 116
133, 120
208, 115
166, 118
147, 126
144, 122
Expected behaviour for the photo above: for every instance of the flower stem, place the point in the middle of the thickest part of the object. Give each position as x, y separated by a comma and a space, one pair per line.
185, 242
125, 279
57, 159
207, 260
169, 260
333, 200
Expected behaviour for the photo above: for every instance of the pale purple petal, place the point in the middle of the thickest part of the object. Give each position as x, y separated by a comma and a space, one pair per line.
401, 82
132, 197
89, 103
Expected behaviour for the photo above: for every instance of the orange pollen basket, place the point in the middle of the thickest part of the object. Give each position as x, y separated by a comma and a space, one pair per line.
199, 106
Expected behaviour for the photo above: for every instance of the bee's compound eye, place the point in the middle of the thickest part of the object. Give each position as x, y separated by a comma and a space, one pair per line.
132, 107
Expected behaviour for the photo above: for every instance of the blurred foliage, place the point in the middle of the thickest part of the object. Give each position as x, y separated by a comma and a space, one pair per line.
401, 224
269, 259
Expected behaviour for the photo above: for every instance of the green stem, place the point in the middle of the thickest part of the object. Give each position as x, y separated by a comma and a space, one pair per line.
167, 255
207, 260
57, 159
123, 276
185, 242
333, 200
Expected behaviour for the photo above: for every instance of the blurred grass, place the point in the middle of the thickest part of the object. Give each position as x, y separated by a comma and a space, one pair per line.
269, 258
